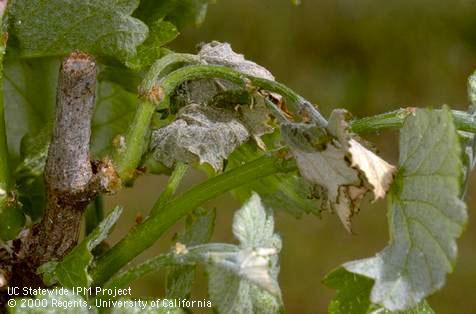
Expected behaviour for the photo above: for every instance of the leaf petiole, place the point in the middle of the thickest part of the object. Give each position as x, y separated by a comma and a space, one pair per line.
395, 119
172, 185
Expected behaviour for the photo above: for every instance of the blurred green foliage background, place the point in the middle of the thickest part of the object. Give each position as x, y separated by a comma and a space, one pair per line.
366, 56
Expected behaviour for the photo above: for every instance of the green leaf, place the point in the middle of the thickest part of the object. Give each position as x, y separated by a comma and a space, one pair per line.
246, 281
52, 302
30, 96
164, 307
29, 173
57, 27
288, 192
12, 218
161, 33
353, 295
29, 91
198, 230
426, 214
72, 271
114, 112
122, 76
353, 292
178, 12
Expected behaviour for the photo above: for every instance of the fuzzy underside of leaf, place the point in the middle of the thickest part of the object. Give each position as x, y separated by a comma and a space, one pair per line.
234, 291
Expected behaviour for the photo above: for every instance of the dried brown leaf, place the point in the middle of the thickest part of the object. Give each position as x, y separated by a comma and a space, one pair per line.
344, 169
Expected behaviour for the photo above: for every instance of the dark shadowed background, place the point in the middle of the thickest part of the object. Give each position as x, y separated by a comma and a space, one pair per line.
369, 57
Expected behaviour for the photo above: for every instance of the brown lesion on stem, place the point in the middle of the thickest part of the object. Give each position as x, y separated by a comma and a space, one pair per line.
72, 180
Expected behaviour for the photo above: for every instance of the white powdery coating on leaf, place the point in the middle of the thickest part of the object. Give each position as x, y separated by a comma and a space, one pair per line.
245, 281
222, 54
252, 226
200, 133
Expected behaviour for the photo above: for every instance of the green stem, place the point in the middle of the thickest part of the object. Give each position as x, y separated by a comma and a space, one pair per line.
164, 66
136, 140
172, 185
297, 103
5, 175
195, 72
11, 216
94, 214
127, 159
395, 119
124, 279
196, 254
144, 235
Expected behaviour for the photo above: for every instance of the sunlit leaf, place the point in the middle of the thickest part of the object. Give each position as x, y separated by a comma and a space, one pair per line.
161, 33
30, 97
178, 12
426, 214
57, 27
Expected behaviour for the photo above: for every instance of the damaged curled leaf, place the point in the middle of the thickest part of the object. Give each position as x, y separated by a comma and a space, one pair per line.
343, 169
204, 134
